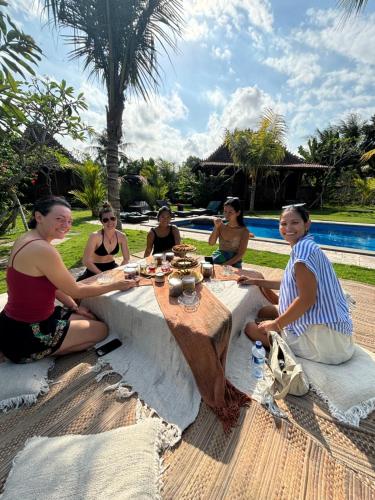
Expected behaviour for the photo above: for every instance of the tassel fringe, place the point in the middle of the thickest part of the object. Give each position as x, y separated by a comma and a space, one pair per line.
353, 415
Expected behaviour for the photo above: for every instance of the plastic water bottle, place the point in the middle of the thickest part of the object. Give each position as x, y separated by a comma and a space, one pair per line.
258, 355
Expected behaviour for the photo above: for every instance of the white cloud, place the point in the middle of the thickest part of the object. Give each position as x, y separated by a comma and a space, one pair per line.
257, 39
351, 40
223, 54
95, 97
195, 30
148, 127
231, 13
32, 10
215, 97
302, 69
244, 108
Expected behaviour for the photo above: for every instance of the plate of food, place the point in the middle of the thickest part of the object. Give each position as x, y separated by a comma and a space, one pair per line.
187, 272
182, 249
184, 262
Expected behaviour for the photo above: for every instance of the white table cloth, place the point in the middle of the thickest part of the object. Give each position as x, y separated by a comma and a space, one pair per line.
150, 360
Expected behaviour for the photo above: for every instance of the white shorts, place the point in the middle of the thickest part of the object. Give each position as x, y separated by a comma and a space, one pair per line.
322, 344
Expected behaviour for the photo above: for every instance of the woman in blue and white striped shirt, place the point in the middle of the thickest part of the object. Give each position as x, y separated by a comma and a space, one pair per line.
313, 314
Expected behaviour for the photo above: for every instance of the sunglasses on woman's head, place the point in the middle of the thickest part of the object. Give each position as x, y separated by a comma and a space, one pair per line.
106, 219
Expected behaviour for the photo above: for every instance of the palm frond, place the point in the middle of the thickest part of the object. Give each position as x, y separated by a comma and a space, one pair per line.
352, 6
367, 156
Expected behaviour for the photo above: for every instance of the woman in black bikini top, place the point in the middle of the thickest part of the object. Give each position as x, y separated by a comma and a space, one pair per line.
103, 245
164, 236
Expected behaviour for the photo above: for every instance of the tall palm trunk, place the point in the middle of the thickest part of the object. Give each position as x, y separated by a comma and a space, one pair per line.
253, 186
114, 133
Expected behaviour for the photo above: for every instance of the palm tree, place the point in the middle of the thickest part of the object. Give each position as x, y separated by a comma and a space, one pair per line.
353, 6
17, 50
119, 41
255, 150
94, 190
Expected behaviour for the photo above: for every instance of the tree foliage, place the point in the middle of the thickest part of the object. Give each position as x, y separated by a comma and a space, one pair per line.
119, 41
94, 190
156, 187
49, 109
18, 54
255, 150
342, 147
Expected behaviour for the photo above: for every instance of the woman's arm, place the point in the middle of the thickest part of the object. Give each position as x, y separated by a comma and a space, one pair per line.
273, 285
89, 254
176, 235
150, 243
71, 304
307, 289
49, 263
241, 249
66, 300
124, 247
216, 231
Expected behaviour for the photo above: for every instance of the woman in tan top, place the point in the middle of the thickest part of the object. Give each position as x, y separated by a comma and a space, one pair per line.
233, 235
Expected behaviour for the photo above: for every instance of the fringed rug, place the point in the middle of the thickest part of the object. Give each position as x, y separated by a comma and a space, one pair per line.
307, 456
22, 384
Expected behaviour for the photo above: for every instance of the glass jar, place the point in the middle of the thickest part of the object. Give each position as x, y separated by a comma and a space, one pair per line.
175, 287
158, 257
188, 283
207, 269
130, 272
169, 256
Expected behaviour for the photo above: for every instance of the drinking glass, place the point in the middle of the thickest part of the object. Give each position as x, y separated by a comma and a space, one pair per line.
190, 300
165, 266
104, 279
227, 270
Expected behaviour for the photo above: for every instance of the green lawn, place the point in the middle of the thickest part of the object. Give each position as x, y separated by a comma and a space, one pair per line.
357, 214
72, 250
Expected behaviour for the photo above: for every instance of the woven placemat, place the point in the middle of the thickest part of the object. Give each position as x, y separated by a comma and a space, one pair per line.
308, 456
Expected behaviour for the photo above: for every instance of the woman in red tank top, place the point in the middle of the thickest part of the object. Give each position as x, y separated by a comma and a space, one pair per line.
31, 327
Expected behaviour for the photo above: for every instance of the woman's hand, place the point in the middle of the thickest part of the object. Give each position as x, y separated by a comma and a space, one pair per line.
244, 280
127, 284
218, 222
269, 325
84, 311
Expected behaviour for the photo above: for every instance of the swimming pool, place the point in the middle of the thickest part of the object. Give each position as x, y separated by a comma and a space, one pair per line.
325, 233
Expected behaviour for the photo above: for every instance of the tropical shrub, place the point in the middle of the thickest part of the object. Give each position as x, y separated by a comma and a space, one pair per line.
94, 191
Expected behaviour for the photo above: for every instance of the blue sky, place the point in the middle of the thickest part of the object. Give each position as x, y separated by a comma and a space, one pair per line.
236, 58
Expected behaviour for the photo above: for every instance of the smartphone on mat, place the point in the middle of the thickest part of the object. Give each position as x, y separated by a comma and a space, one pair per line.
108, 347
209, 259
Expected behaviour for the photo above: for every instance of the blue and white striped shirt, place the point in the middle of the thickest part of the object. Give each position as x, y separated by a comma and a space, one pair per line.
331, 307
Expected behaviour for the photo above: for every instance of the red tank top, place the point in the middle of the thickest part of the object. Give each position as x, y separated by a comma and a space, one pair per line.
30, 298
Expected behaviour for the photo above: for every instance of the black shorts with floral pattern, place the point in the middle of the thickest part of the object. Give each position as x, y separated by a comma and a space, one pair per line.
25, 342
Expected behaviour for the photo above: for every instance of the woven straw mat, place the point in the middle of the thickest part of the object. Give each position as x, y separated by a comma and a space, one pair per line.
308, 456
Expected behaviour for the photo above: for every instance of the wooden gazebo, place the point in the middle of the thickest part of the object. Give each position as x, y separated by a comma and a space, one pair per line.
282, 183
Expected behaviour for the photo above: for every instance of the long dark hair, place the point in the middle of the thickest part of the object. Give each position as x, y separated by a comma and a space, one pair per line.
301, 211
236, 205
44, 205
